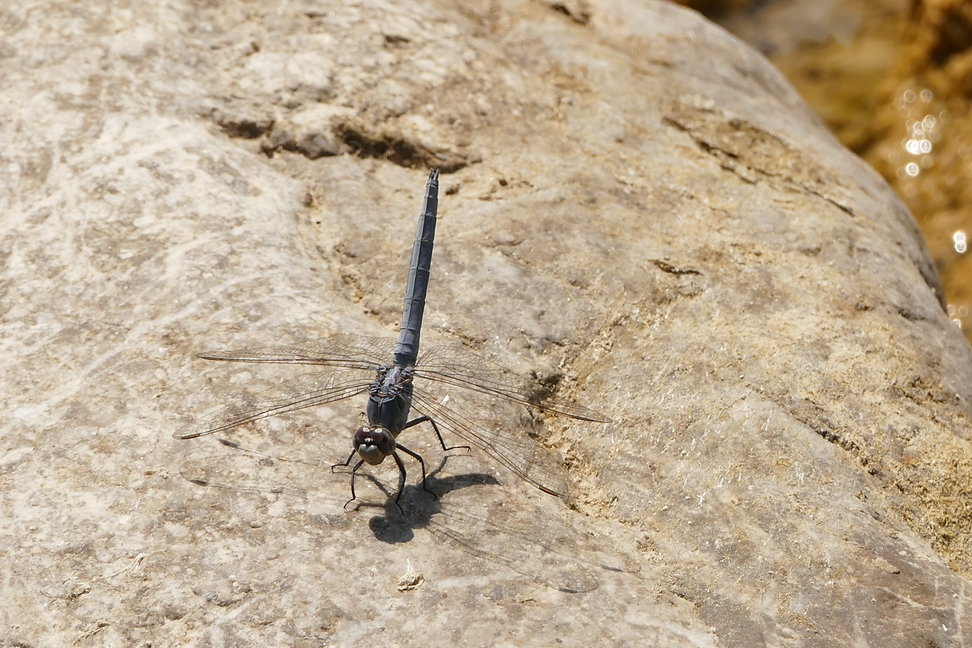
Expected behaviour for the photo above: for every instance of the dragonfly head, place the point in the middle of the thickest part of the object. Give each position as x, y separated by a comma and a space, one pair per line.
373, 444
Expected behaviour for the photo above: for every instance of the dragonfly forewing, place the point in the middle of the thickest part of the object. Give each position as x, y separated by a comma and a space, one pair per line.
348, 351
308, 390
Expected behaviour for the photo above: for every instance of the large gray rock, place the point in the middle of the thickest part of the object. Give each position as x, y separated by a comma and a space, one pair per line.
630, 198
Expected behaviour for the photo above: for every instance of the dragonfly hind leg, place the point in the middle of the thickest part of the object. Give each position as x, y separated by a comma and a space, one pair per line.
423, 419
401, 473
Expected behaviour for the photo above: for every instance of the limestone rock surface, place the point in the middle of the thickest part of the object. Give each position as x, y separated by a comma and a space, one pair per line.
634, 205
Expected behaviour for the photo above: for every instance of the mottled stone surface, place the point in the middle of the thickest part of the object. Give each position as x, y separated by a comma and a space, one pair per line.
631, 198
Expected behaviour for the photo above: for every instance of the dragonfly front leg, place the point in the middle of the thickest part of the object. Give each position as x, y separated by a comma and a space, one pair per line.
402, 473
347, 463
354, 471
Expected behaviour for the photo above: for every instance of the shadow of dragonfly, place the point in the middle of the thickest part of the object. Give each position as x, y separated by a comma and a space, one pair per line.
531, 540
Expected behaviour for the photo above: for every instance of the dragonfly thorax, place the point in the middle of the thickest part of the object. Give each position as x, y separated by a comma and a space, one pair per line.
391, 399
373, 444
390, 381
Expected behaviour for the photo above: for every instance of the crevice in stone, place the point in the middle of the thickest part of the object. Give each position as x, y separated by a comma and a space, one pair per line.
664, 266
397, 149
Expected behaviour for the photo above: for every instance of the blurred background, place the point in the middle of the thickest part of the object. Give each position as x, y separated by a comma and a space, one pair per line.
893, 80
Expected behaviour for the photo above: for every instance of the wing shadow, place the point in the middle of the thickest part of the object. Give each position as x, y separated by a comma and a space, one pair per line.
468, 511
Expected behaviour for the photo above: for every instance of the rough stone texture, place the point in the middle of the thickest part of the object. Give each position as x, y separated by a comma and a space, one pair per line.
631, 197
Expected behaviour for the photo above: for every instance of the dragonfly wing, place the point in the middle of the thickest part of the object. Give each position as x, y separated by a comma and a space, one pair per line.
351, 351
501, 435
290, 395
455, 365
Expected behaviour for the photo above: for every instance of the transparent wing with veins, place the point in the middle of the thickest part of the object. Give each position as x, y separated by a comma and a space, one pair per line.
457, 366
290, 395
474, 399
503, 438
349, 351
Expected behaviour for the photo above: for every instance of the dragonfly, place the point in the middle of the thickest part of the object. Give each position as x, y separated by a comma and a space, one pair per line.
451, 389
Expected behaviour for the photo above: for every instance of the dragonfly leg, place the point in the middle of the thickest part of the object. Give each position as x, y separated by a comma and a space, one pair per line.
347, 461
423, 419
354, 471
401, 477
402, 468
